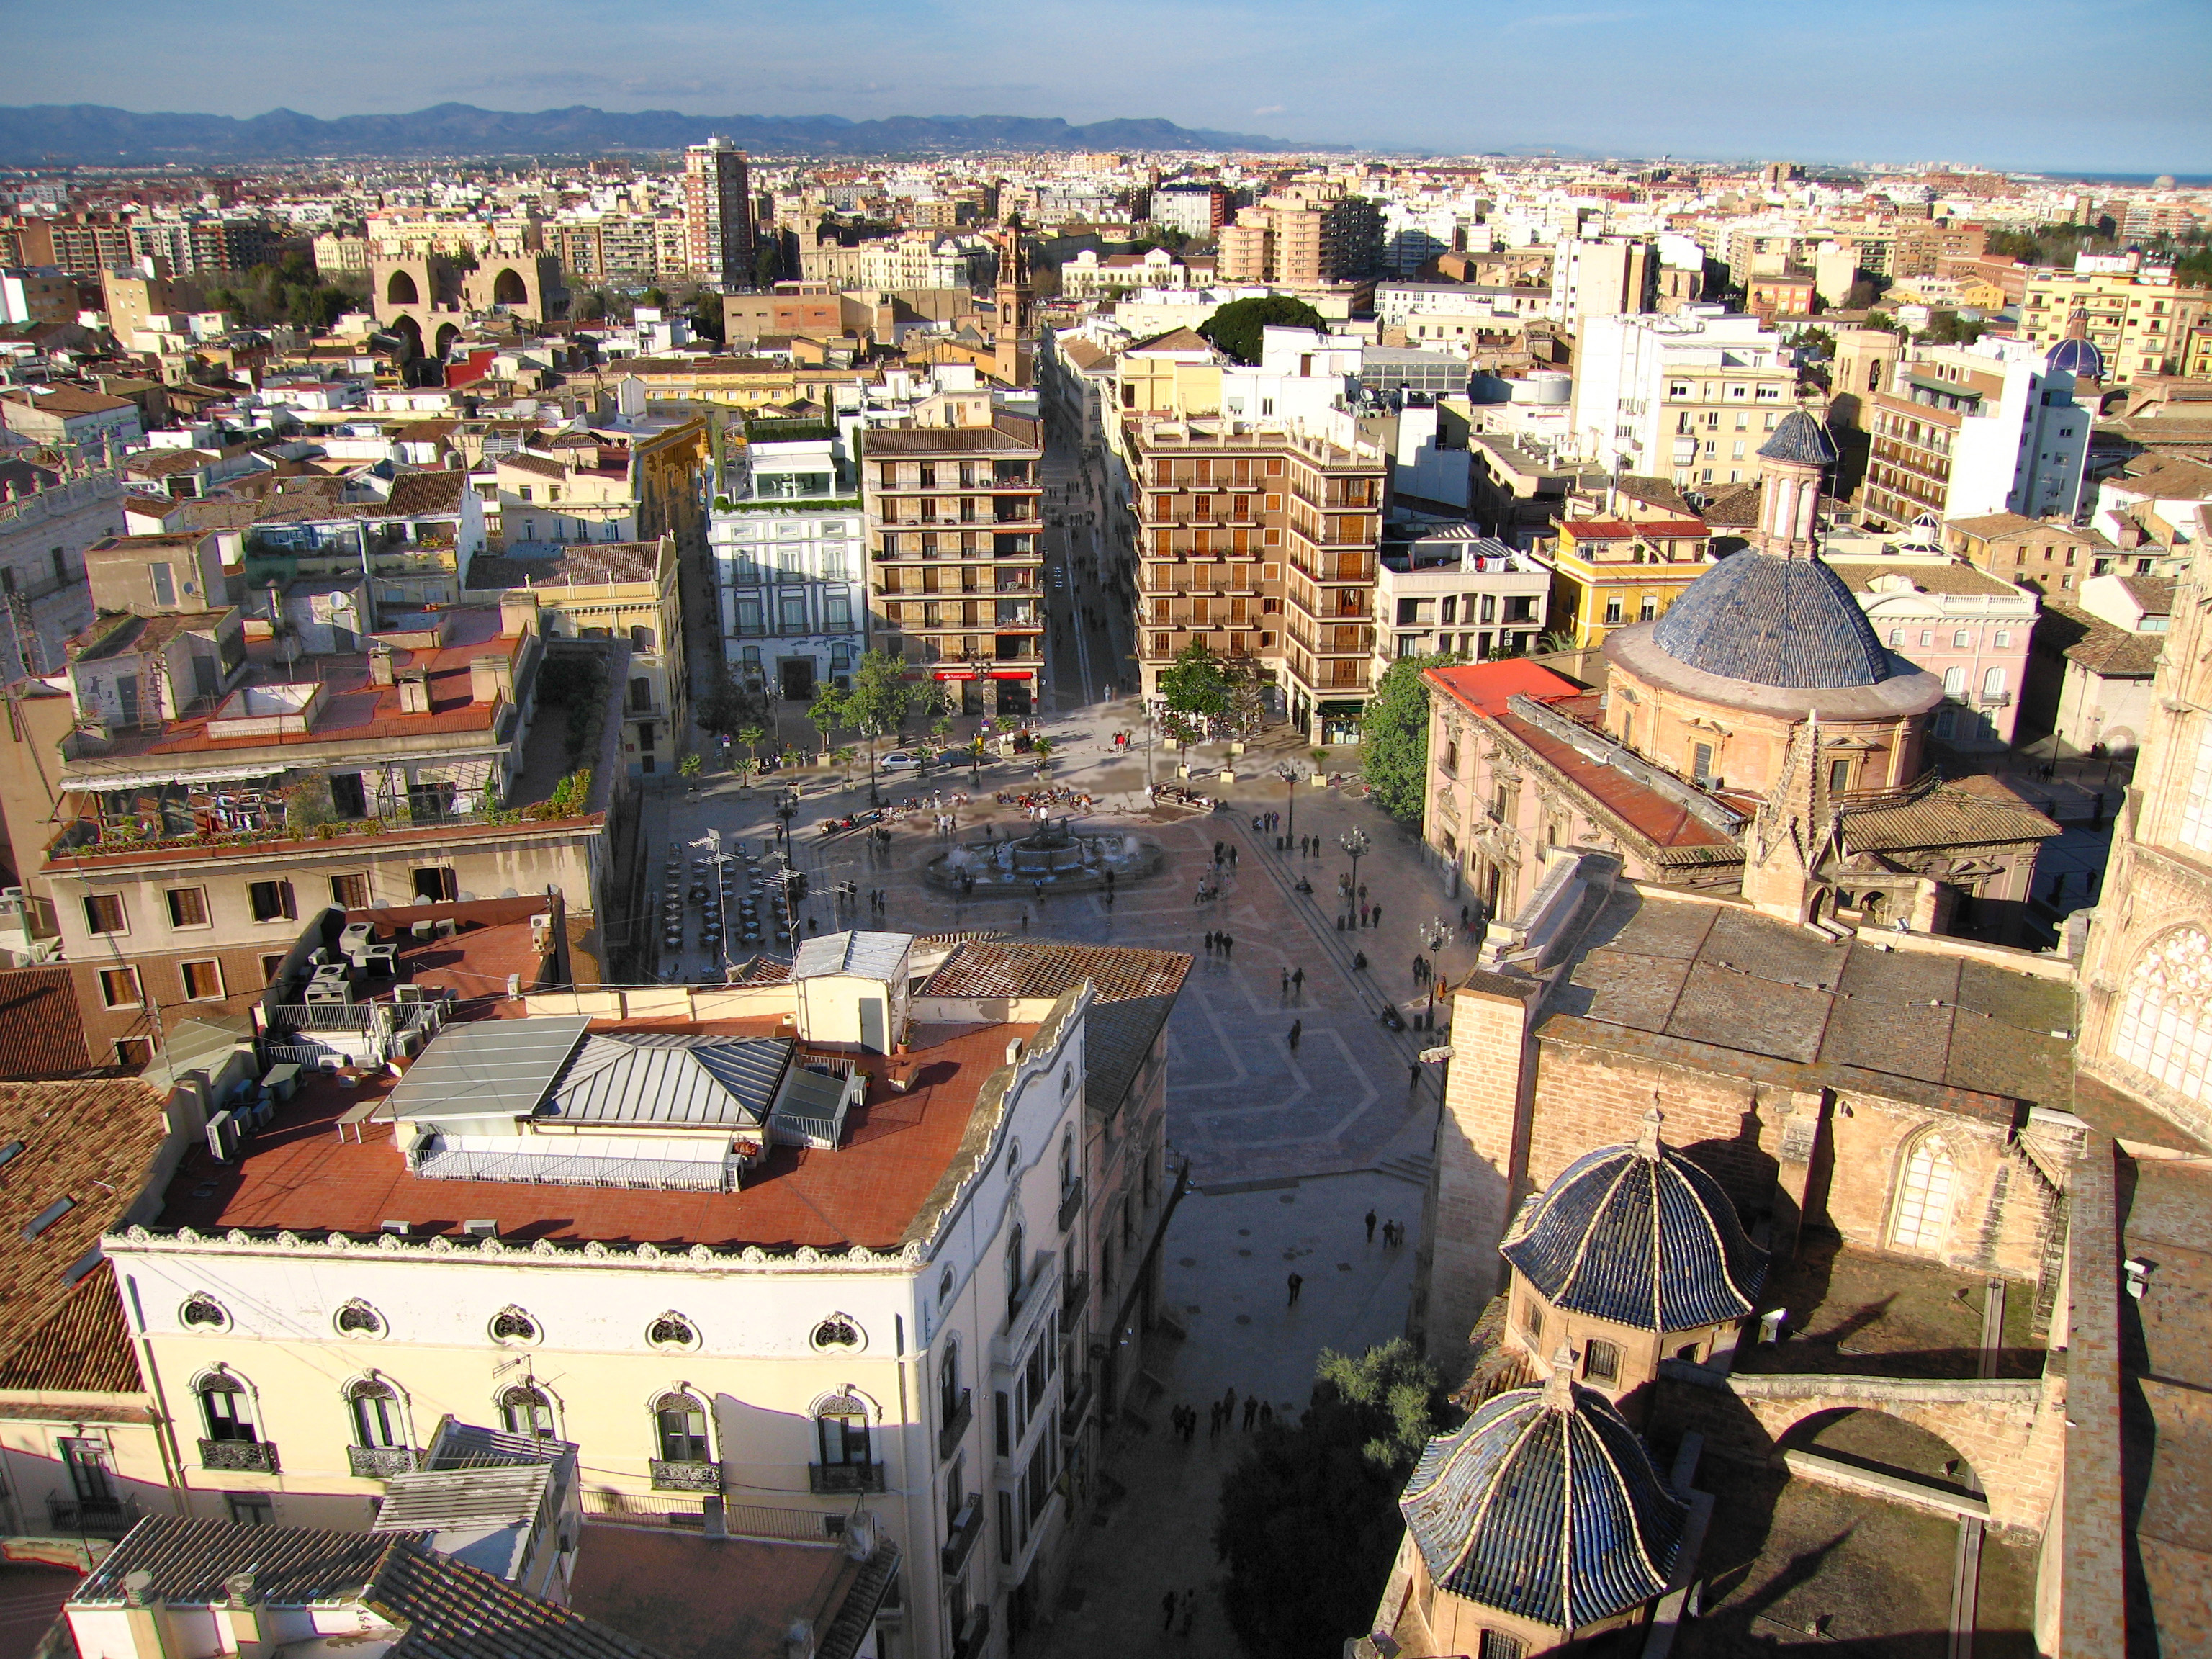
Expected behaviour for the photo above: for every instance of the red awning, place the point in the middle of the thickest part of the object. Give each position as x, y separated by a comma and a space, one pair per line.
1012, 674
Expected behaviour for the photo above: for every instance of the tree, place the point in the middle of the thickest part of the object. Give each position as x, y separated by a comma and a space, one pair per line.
1236, 327
1395, 738
826, 714
751, 735
1949, 328
689, 769
1043, 749
1309, 1520
878, 702
1195, 691
707, 317
767, 263
724, 708
654, 299
1861, 295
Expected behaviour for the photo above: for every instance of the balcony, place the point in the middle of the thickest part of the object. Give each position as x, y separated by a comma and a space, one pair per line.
93, 1518
1074, 1296
1071, 1204
955, 1426
382, 1463
1075, 1403
834, 1479
960, 1542
1993, 699
686, 1477
254, 1457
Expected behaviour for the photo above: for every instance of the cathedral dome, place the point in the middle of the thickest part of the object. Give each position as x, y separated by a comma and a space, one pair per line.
1545, 1504
1800, 441
1640, 1236
2079, 358
1775, 622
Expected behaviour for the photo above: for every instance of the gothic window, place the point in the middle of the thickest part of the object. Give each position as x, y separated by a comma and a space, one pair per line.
1924, 1198
2195, 831
2163, 1030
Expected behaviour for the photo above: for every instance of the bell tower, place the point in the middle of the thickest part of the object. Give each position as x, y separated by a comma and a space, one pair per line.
1014, 353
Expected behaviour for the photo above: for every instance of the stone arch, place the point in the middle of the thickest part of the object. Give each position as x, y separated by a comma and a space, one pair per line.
447, 333
408, 333
1870, 1436
509, 288
2164, 1026
399, 290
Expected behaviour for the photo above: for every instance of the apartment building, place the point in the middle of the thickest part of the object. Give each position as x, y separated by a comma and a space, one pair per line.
1966, 431
1606, 276
718, 216
790, 547
1301, 240
45, 529
1688, 396
625, 590
832, 1330
1971, 630
955, 519
195, 792
2045, 556
1260, 542
1447, 587
2138, 315
1197, 210
1612, 573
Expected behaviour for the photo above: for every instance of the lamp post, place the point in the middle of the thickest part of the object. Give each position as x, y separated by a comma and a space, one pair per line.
1289, 774
713, 841
1355, 842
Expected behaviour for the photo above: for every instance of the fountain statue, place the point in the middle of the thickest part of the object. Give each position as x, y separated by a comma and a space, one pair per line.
1054, 857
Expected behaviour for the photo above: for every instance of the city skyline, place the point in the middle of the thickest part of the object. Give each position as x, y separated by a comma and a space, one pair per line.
1705, 80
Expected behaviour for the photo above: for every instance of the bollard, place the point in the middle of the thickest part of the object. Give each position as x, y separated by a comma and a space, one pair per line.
1339, 923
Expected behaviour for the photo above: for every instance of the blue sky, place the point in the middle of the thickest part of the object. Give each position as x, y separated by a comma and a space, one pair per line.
2071, 85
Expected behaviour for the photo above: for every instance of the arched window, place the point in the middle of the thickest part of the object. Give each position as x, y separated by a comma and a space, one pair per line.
2163, 1028
2195, 829
841, 1424
228, 1409
681, 1421
526, 1409
1923, 1197
948, 1385
1015, 1245
376, 1419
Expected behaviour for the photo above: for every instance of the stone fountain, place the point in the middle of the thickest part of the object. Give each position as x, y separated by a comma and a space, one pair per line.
1054, 857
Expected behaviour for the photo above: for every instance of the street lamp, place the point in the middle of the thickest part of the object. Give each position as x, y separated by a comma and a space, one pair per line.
1355, 842
1289, 774
713, 841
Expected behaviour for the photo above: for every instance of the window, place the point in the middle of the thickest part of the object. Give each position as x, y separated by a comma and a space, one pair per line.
682, 1421
1924, 1198
1532, 1321
376, 1420
512, 1325
433, 884
1613, 614
1015, 1246
671, 1331
271, 901
272, 963
1993, 683
640, 639
118, 988
838, 1331
842, 1430
1601, 1361
1497, 1644
228, 1411
1961, 640
525, 1409
251, 1509
2001, 639
1896, 638
1701, 764
187, 906
134, 1053
1647, 607
2162, 1029
202, 1313
1955, 681
350, 892
1839, 776
103, 913
203, 981
165, 583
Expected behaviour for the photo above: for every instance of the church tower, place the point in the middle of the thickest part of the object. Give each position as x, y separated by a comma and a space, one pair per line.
1015, 352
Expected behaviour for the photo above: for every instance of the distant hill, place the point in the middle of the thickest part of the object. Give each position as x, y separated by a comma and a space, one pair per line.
93, 133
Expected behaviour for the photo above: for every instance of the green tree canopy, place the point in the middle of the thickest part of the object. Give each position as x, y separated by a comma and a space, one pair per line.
878, 702
1236, 328
1195, 689
1308, 1521
1395, 738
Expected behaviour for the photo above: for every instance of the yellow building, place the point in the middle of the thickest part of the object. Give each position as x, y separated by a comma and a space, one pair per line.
1608, 573
2139, 319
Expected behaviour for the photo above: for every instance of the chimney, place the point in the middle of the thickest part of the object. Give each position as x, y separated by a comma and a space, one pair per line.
147, 1616
414, 690
1014, 1051
798, 1640
244, 1613
490, 678
381, 664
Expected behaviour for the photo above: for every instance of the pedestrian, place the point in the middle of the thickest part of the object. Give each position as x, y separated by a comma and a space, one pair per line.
1297, 1284
1363, 915
1026, 918
1363, 892
1413, 1077
1209, 942
1286, 985
1371, 1226
1298, 982
1228, 946
1232, 857
1298, 1030
1267, 1413
1213, 1420
1251, 1411
1189, 1612
1167, 1612
1378, 916
1228, 1404
1463, 916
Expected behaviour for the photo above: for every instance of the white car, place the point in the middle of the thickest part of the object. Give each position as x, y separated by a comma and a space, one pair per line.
899, 760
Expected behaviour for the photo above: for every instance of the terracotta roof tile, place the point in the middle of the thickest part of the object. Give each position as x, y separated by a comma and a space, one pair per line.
574, 563
1666, 824
41, 1028
1485, 688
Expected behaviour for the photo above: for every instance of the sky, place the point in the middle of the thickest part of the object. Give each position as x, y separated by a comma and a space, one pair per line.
2114, 86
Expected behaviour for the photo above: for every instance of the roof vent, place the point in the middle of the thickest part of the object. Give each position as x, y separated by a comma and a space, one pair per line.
396, 1229
139, 1589
481, 1227
1014, 1051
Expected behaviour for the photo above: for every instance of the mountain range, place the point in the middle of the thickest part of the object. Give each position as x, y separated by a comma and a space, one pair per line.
94, 133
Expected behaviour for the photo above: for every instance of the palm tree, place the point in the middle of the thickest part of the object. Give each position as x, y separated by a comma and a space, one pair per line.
750, 737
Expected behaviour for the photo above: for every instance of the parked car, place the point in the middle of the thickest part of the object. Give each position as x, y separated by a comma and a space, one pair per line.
899, 760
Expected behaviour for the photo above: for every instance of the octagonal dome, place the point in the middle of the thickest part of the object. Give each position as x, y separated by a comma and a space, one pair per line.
1773, 621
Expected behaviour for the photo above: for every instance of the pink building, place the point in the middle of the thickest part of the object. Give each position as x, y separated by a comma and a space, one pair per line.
1969, 629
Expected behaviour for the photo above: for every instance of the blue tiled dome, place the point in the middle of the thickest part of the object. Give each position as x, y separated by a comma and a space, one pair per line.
1641, 1236
1546, 1504
1774, 622
2079, 358
1802, 439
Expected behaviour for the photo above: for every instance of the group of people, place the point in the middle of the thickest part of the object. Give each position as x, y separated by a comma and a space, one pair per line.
1220, 944
1393, 1232
1265, 824
1035, 803
1121, 741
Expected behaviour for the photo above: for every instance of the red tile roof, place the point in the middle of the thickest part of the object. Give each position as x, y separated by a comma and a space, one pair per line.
1485, 688
1605, 530
41, 1029
1663, 822
298, 1174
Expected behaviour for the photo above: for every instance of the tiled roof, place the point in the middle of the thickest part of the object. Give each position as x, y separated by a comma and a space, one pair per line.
1666, 824
87, 1152
1546, 1507
2154, 593
1802, 439
1733, 508
2003, 524
41, 1029
1646, 1239
544, 466
1485, 688
1970, 811
2100, 647
573, 563
694, 1598
1774, 622
84, 1348
1930, 576
190, 1561
1653, 492
414, 494
870, 1190
1133, 993
1009, 433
